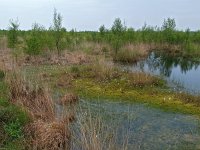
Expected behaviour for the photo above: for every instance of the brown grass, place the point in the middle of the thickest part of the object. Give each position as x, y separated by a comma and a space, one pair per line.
93, 48
140, 79
93, 134
67, 58
37, 101
53, 135
188, 98
65, 80
103, 70
3, 43
68, 99
132, 53
46, 130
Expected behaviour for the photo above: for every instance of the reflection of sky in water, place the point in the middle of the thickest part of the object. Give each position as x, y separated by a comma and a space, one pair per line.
180, 74
190, 80
147, 128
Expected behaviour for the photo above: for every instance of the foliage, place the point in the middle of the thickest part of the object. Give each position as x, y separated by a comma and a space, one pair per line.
169, 24
102, 30
118, 27
165, 38
13, 33
12, 121
14, 129
2, 75
58, 31
35, 42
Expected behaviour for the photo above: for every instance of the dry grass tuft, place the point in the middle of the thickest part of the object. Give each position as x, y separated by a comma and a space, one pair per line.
65, 80
46, 131
68, 99
36, 101
132, 53
67, 58
188, 98
92, 133
140, 79
103, 70
48, 135
3, 43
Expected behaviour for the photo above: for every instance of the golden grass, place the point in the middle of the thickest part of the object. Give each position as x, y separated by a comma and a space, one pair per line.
54, 135
68, 99
102, 70
132, 53
93, 48
140, 79
3, 43
93, 134
67, 58
46, 130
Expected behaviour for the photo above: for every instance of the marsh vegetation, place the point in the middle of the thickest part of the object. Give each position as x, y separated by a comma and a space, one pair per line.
91, 90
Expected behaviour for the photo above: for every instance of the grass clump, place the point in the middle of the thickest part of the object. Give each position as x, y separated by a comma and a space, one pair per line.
101, 71
131, 53
46, 130
14, 129
12, 121
139, 79
2, 75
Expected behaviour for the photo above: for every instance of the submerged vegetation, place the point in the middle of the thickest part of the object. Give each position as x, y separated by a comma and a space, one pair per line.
53, 68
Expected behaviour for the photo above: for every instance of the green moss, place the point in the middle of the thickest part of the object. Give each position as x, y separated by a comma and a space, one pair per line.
152, 96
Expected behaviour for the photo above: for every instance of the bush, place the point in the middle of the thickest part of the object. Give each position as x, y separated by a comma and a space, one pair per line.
13, 33
35, 42
2, 75
58, 32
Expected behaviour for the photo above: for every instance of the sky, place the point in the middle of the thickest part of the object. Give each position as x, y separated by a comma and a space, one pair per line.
90, 14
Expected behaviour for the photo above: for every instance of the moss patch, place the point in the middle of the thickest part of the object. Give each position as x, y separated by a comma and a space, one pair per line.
153, 96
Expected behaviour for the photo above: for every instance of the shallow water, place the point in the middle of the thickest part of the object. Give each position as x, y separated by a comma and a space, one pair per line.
147, 128
180, 73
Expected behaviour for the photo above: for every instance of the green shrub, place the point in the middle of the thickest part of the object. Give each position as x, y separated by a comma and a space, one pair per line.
2, 75
35, 43
13, 33
14, 129
74, 69
11, 113
58, 32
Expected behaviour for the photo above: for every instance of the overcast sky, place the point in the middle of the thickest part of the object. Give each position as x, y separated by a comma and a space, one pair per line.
90, 14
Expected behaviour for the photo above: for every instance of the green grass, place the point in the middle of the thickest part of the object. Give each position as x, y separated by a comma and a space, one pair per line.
149, 90
12, 121
155, 97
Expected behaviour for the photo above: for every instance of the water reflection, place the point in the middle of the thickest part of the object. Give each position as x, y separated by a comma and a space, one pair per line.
181, 73
165, 64
145, 127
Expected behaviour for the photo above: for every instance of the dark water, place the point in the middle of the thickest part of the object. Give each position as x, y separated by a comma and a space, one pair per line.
181, 73
146, 128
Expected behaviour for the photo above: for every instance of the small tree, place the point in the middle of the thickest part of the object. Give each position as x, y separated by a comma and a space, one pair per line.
13, 33
168, 27
35, 41
102, 30
169, 24
58, 31
118, 27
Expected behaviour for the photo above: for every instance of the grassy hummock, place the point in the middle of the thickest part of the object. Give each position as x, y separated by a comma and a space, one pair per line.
154, 96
